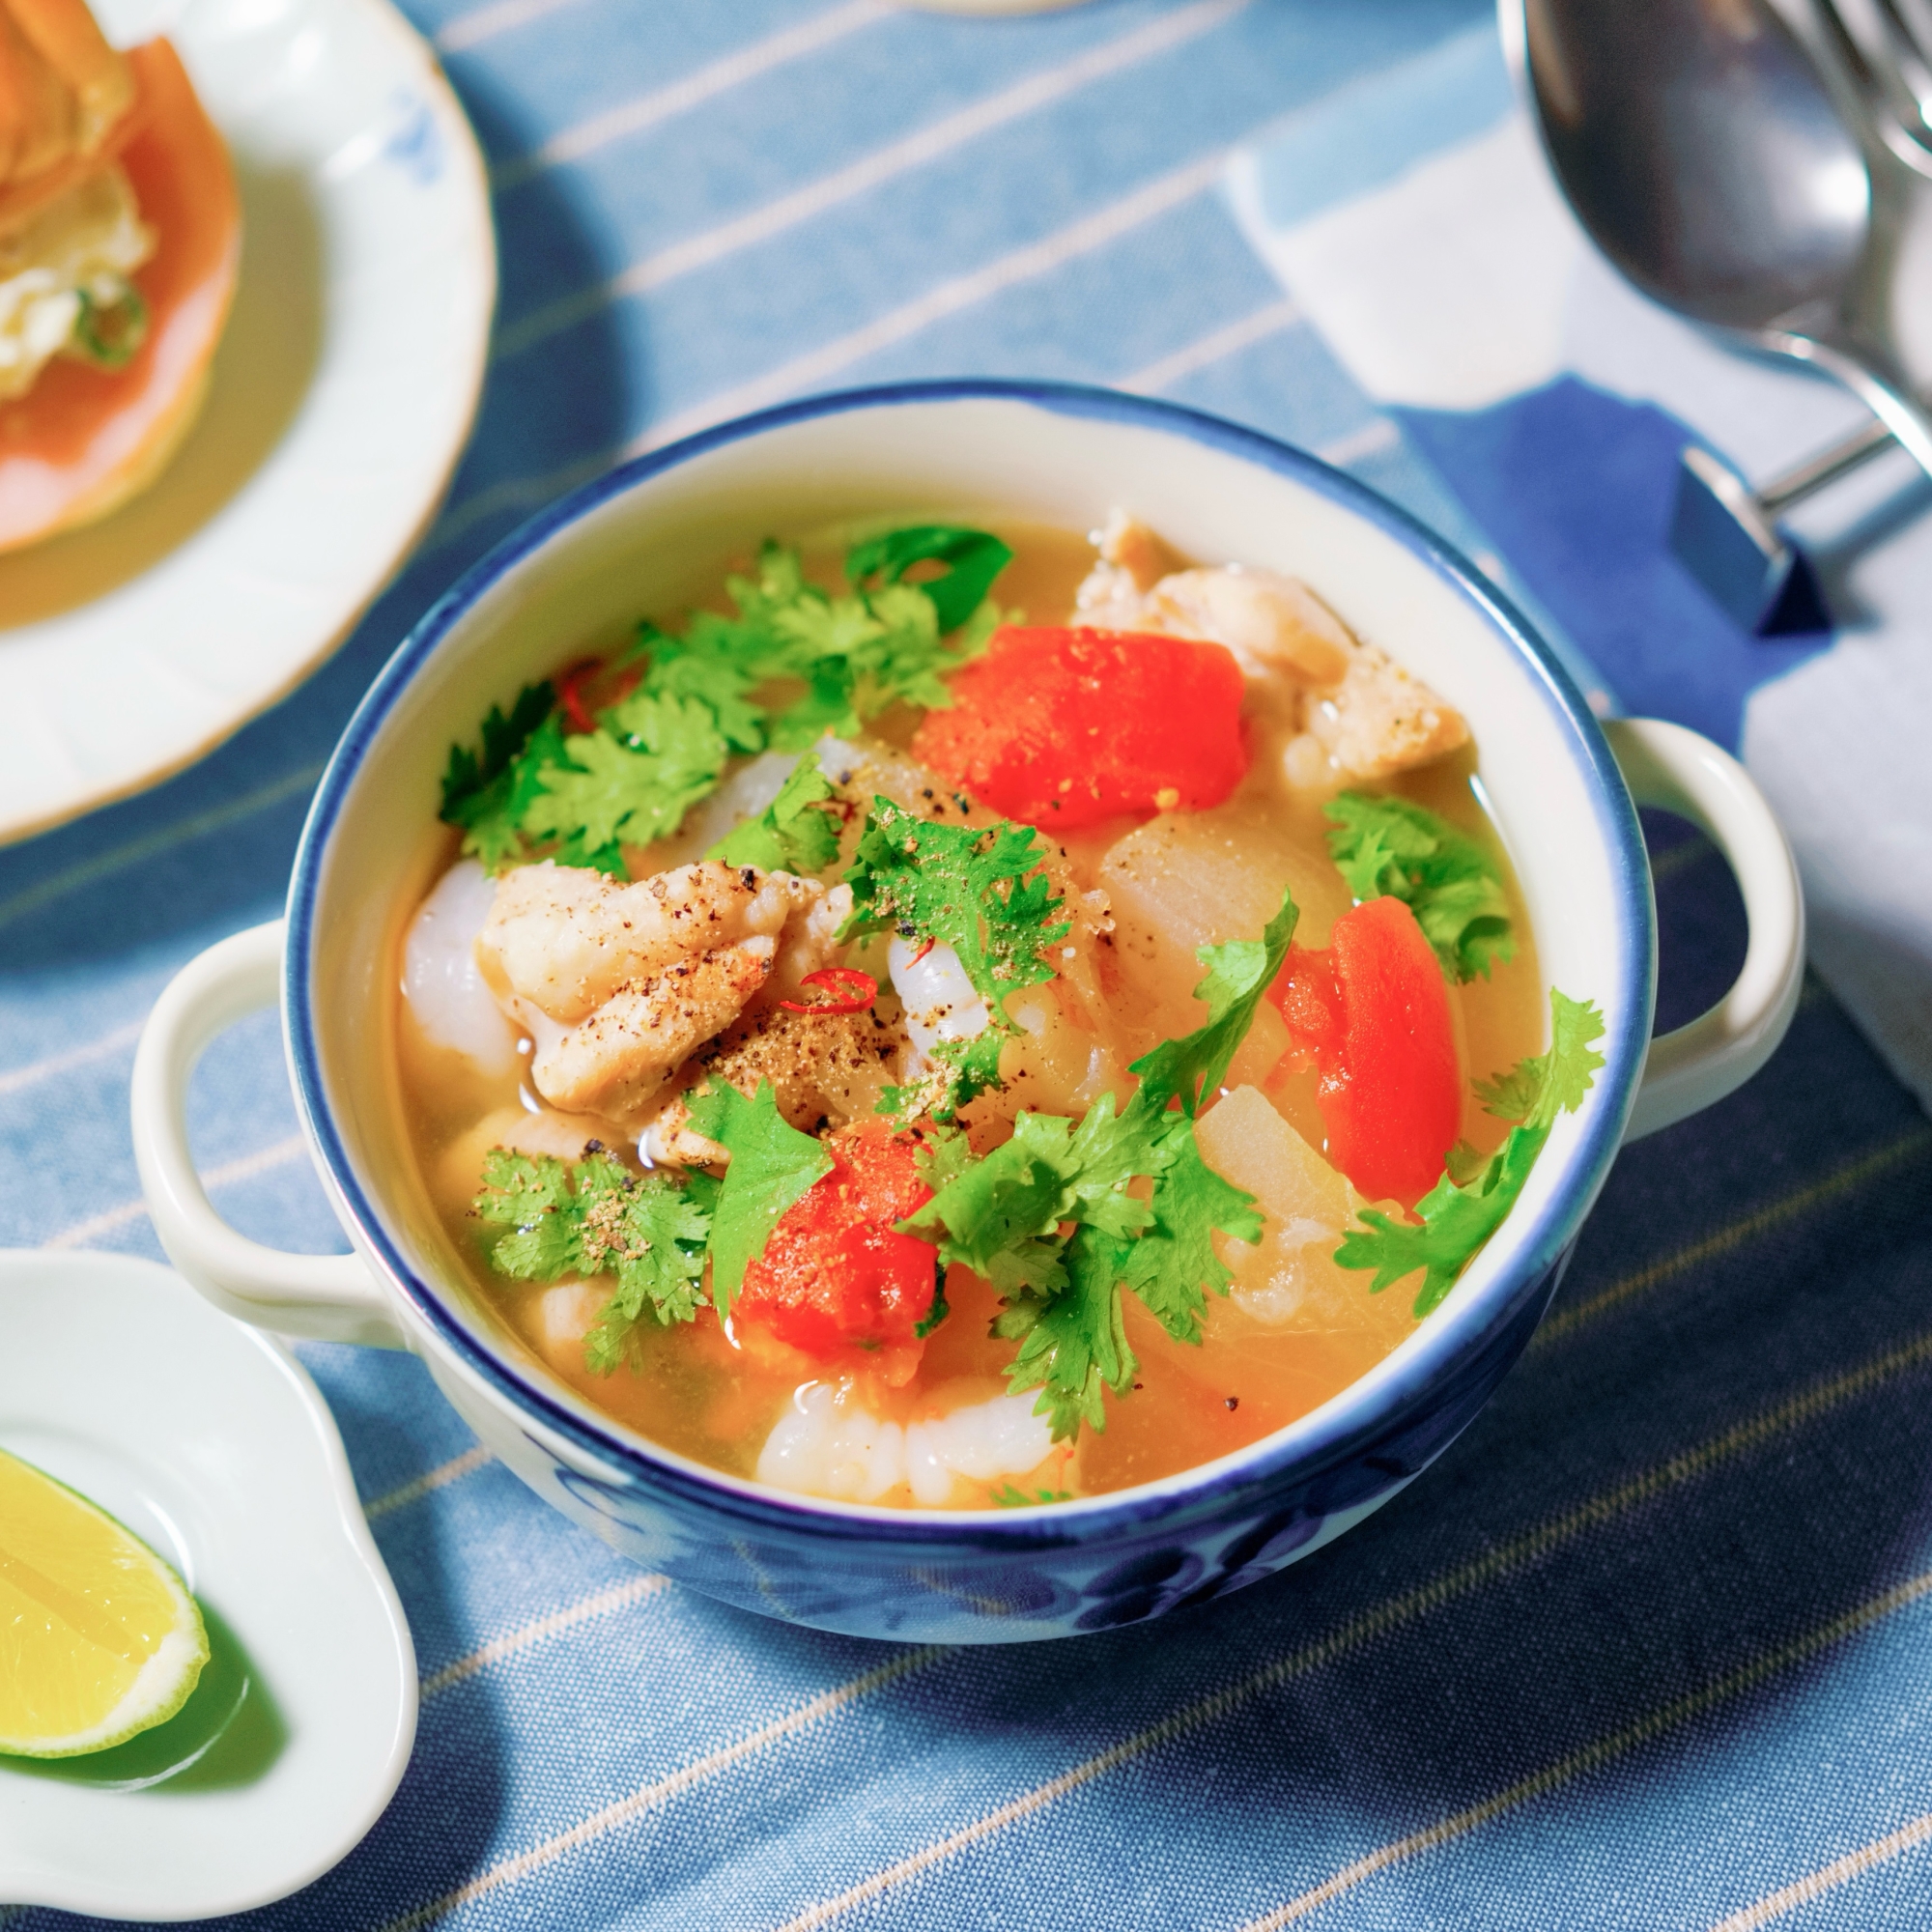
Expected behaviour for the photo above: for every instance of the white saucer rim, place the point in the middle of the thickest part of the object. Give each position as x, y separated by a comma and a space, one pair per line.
474, 370
374, 1575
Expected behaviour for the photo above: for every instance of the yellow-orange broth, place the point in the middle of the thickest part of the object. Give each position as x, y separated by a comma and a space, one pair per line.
1296, 1328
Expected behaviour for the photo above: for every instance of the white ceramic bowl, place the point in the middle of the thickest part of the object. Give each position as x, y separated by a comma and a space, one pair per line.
645, 539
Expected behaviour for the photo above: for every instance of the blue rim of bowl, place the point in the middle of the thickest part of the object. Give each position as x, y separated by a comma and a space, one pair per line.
1328, 1435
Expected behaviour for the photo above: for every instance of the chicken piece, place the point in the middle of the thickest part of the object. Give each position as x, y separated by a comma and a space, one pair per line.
823, 1068
1270, 622
567, 939
1378, 721
1361, 715
1132, 561
620, 1058
618, 985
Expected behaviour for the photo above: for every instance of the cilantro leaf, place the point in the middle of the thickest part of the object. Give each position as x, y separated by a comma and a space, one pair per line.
905, 661
825, 709
1034, 1266
974, 559
968, 1067
531, 1196
1388, 847
1077, 1344
1009, 1496
1536, 1090
702, 698
498, 840
1173, 1264
655, 1232
937, 1312
1455, 1221
597, 1217
710, 679
1020, 1191
633, 780
976, 889
1238, 974
480, 788
794, 834
860, 655
941, 1154
1457, 1218
1001, 1215
771, 1165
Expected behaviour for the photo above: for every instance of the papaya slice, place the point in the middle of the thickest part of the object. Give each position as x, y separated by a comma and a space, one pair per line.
82, 441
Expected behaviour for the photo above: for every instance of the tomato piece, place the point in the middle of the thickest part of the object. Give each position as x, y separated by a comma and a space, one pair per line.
834, 1275
82, 441
1374, 1010
1060, 728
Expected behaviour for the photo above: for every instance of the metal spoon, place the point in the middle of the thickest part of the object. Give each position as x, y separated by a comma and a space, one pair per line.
1728, 173
1708, 159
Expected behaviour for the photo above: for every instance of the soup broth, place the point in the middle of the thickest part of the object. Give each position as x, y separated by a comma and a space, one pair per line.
805, 1383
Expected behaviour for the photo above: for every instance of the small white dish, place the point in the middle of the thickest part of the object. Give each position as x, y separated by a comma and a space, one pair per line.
209, 1440
343, 393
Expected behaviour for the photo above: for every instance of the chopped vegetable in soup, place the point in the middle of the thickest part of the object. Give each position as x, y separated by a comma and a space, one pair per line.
912, 1050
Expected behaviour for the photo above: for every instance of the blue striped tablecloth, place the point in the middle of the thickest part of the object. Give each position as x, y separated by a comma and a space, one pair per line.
1651, 1646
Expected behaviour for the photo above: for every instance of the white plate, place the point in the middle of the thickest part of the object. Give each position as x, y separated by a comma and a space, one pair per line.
343, 393
209, 1440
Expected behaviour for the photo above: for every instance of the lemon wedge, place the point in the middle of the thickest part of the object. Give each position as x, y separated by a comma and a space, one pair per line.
97, 1637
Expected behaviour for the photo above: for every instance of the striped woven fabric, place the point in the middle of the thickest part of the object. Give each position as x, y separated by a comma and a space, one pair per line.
1651, 1646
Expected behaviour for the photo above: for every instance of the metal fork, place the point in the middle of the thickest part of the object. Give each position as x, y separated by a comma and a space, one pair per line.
1877, 51
1873, 57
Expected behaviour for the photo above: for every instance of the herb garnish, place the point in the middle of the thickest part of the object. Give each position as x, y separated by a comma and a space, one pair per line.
652, 1231
110, 333
1239, 974
532, 790
1143, 1204
597, 1217
1390, 848
973, 561
1467, 1205
796, 833
771, 1165
1009, 1496
628, 783
480, 789
977, 888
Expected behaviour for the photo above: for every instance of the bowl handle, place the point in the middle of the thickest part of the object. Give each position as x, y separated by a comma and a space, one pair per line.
321, 1298
1686, 1071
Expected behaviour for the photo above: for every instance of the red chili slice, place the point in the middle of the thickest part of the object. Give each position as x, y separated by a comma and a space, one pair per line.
923, 951
863, 990
569, 694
